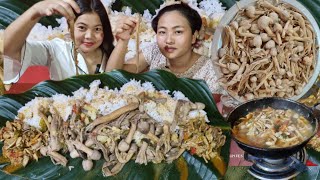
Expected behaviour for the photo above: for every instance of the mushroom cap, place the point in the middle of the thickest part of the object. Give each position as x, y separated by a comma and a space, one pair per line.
87, 164
74, 154
277, 27
257, 41
264, 37
274, 16
250, 10
264, 21
143, 127
123, 146
95, 155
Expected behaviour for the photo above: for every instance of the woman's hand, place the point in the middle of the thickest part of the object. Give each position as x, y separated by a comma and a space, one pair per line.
125, 27
65, 8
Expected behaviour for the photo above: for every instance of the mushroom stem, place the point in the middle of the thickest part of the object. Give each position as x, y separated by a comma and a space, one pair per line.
112, 116
92, 154
124, 145
125, 157
284, 15
73, 152
263, 23
56, 158
117, 168
141, 157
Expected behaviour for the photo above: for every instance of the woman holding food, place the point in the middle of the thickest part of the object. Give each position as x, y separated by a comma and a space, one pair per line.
93, 40
176, 28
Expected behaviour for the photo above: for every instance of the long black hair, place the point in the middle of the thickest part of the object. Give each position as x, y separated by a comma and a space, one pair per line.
185, 10
88, 6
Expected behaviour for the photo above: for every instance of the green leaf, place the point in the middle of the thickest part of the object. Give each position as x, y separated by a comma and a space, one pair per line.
192, 167
228, 3
12, 9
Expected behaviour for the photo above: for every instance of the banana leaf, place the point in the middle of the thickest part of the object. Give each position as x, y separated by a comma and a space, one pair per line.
12, 9
187, 166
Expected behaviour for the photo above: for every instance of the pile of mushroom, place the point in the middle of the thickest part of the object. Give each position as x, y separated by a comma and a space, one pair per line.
267, 50
151, 127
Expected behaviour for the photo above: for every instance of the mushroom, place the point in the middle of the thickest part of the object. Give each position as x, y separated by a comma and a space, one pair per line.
270, 44
25, 160
257, 41
124, 144
249, 96
233, 67
284, 15
112, 116
301, 22
285, 29
264, 37
243, 31
165, 138
116, 169
56, 158
307, 61
174, 154
141, 157
54, 142
145, 128
253, 79
91, 154
278, 30
125, 157
255, 29
221, 52
73, 152
234, 24
89, 142
263, 24
251, 12
274, 16
87, 164
159, 129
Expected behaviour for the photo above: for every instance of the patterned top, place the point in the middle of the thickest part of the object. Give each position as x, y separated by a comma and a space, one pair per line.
201, 69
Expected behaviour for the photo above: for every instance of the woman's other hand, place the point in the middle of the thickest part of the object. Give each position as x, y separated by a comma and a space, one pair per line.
125, 27
65, 8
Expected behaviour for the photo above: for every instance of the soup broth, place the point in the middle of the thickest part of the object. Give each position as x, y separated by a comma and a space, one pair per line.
272, 128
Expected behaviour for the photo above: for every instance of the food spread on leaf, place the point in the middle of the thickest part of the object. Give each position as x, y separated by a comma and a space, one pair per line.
134, 122
267, 50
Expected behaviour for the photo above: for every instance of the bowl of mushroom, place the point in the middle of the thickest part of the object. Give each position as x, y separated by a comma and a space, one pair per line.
266, 49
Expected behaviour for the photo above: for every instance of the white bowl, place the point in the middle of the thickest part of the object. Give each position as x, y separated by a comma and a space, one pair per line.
230, 14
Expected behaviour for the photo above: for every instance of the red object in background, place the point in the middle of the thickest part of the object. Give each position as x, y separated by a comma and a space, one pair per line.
31, 77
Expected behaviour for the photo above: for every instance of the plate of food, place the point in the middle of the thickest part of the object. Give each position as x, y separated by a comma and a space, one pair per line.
114, 125
266, 49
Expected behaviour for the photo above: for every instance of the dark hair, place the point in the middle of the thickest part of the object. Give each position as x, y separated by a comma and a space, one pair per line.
88, 6
185, 10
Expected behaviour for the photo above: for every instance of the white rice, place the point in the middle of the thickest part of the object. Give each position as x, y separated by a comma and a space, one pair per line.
178, 95
198, 114
105, 100
63, 104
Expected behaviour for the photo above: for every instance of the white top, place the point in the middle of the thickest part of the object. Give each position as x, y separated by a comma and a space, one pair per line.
201, 69
57, 54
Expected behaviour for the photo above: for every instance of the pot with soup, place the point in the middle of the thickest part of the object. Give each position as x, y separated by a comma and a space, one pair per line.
272, 127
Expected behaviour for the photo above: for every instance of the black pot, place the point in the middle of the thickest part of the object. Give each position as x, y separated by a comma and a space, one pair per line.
276, 103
